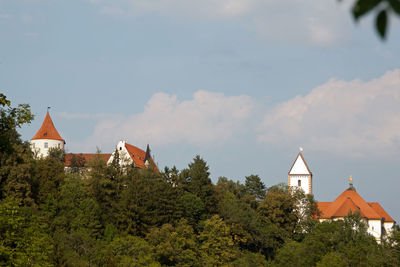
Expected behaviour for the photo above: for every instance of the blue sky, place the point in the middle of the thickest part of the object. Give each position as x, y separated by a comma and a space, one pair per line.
243, 83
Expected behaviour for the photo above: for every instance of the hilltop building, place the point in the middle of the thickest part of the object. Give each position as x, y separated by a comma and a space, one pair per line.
129, 154
48, 137
377, 219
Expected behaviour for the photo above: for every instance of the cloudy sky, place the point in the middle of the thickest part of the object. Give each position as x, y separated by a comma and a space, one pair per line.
243, 83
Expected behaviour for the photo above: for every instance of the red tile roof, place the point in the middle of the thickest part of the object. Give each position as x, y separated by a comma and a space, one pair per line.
378, 208
350, 200
322, 206
347, 206
87, 157
138, 156
48, 131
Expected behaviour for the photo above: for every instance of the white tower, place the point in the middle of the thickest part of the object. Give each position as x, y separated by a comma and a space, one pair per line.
300, 175
47, 137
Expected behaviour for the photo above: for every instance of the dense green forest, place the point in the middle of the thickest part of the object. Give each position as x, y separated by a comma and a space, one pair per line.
108, 216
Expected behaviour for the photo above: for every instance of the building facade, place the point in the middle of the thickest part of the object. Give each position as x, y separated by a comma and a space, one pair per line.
48, 137
299, 175
378, 221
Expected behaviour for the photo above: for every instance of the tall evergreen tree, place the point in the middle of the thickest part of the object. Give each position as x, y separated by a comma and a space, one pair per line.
255, 187
147, 201
197, 181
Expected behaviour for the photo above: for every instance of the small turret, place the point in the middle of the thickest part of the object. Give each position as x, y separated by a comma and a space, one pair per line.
47, 137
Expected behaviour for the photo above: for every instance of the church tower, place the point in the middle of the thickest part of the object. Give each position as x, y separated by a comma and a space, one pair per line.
47, 137
300, 175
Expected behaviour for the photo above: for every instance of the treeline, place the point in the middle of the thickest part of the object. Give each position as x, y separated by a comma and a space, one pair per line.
108, 216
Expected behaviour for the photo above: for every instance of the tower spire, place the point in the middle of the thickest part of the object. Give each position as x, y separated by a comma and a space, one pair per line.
351, 183
147, 156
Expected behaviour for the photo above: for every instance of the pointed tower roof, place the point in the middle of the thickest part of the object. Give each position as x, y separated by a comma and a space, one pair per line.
147, 156
48, 131
300, 166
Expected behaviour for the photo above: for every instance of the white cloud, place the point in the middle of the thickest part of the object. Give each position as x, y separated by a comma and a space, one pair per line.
208, 118
316, 22
346, 118
353, 118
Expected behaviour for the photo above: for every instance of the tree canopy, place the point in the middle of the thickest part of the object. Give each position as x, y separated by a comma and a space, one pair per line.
112, 216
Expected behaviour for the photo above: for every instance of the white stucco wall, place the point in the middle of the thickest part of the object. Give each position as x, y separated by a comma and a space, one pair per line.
124, 158
305, 182
38, 146
388, 227
375, 229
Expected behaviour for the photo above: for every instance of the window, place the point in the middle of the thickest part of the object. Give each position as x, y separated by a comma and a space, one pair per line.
299, 182
58, 145
120, 148
46, 145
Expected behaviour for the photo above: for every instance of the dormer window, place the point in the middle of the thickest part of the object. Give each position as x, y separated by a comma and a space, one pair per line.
45, 134
299, 183
46, 145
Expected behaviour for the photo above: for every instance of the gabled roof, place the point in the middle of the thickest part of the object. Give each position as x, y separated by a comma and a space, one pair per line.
47, 130
136, 154
139, 156
88, 157
350, 200
300, 166
347, 206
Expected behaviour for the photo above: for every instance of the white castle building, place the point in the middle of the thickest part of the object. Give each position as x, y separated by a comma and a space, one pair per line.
48, 137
